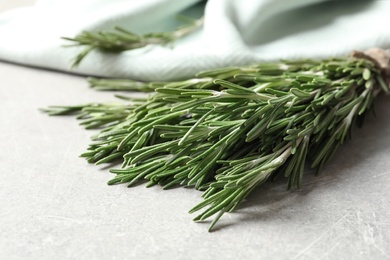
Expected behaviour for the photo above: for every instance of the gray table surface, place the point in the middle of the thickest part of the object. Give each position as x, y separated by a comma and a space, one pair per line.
53, 205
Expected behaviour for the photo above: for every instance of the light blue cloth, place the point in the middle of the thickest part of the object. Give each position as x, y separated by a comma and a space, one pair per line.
235, 33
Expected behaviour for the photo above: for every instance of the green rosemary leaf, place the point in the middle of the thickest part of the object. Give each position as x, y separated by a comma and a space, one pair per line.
63, 110
120, 85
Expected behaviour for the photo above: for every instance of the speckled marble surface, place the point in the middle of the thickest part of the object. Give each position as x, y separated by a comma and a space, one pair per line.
53, 205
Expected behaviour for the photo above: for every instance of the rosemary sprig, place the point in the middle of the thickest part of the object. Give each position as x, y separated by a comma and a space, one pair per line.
121, 39
230, 130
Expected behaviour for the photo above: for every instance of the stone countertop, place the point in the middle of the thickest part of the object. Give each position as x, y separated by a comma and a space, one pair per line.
54, 204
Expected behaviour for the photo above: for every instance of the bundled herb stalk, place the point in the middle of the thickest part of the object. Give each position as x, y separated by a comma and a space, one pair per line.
229, 130
122, 40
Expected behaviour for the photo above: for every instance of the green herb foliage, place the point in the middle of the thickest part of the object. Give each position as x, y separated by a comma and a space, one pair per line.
121, 39
230, 130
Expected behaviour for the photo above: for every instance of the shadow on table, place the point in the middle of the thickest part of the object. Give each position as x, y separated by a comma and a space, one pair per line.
271, 199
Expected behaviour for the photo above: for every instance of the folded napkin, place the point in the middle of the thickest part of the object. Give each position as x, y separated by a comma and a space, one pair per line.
234, 33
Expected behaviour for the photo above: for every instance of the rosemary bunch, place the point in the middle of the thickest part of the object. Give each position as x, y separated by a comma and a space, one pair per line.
121, 39
229, 130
